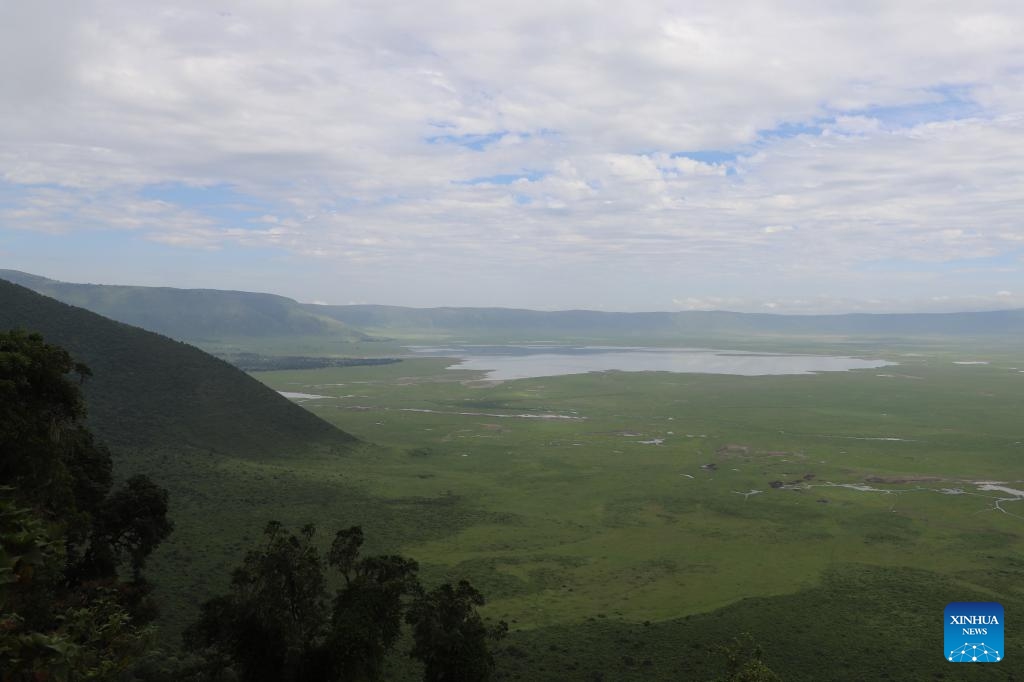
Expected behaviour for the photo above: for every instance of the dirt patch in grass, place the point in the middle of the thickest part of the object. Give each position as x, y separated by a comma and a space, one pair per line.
736, 450
902, 479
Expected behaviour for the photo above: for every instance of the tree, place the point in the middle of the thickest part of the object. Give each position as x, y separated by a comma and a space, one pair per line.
367, 615
61, 609
271, 625
276, 625
128, 526
50, 459
451, 639
54, 465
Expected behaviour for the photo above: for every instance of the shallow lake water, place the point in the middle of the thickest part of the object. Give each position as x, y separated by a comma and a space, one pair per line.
527, 361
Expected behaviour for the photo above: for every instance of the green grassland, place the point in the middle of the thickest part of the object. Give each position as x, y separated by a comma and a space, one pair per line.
613, 556
610, 557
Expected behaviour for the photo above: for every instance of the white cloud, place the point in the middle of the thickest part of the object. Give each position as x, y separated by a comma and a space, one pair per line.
890, 134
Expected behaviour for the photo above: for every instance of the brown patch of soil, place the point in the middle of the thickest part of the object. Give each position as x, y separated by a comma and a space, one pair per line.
902, 479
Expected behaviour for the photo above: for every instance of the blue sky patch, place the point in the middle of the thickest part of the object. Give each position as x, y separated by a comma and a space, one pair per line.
475, 142
708, 156
222, 203
502, 178
790, 129
955, 103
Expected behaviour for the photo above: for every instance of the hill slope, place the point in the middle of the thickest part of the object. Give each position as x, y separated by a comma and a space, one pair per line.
192, 314
148, 391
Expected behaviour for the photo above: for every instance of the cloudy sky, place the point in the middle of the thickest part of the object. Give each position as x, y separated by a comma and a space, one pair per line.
795, 156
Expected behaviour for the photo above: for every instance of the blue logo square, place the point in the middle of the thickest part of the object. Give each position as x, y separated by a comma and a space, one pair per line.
974, 632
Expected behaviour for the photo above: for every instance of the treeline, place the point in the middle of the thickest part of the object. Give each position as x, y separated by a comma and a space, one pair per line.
254, 362
279, 623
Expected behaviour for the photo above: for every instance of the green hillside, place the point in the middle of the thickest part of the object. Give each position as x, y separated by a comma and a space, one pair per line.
194, 315
148, 391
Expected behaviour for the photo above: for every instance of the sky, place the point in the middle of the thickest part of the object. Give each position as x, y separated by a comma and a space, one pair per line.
792, 156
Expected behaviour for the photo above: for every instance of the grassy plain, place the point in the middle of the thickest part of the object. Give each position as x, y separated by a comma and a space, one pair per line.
613, 556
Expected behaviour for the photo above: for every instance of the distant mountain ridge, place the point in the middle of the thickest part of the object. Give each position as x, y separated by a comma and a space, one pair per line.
530, 323
191, 314
148, 391
200, 314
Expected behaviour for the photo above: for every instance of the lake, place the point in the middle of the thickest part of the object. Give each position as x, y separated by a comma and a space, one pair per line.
539, 360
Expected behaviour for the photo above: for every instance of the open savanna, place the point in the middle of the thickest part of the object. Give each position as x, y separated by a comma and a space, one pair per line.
611, 555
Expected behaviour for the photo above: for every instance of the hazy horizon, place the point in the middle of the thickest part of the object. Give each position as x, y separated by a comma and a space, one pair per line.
535, 309
797, 158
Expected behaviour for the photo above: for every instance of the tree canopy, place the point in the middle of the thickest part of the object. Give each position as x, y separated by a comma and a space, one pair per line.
279, 624
451, 637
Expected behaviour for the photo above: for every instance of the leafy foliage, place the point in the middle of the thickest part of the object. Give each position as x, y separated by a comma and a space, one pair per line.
50, 458
131, 523
277, 623
451, 637
97, 640
63, 610
367, 613
271, 626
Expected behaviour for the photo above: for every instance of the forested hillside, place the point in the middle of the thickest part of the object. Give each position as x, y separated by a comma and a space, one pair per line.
150, 391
